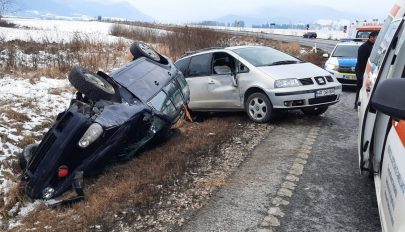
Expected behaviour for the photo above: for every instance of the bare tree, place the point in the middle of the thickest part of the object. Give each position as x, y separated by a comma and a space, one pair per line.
6, 6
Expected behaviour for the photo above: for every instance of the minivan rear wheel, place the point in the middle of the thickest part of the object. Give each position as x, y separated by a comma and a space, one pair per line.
140, 49
259, 108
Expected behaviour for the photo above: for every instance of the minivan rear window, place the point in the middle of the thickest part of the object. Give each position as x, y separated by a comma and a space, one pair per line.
183, 65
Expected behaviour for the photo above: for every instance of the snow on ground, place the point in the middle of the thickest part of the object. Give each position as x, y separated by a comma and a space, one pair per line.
39, 101
41, 30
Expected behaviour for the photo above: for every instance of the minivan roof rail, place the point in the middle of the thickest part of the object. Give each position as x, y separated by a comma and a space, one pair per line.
187, 53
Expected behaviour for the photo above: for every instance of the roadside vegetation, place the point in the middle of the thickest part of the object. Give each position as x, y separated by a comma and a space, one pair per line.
127, 190
56, 59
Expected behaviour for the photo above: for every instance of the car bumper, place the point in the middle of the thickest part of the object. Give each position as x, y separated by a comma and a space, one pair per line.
303, 97
344, 78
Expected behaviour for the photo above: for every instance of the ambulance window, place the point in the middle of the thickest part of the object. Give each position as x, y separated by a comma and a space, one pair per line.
385, 43
387, 23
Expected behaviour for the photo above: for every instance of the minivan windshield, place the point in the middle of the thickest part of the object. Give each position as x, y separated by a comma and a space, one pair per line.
346, 51
265, 56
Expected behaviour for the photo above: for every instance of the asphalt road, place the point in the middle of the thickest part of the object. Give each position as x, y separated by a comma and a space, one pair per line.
302, 177
324, 44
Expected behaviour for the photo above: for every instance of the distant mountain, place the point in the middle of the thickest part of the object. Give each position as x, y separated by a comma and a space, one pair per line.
80, 8
291, 14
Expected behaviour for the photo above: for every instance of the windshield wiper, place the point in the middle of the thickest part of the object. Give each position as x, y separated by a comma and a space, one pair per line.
284, 62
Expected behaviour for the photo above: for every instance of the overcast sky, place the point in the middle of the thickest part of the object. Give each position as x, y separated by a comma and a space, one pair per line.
195, 10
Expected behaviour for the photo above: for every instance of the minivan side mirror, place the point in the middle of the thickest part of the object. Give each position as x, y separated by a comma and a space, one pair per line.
389, 98
325, 55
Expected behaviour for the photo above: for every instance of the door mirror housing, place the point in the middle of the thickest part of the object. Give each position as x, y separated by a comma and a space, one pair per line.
325, 55
389, 98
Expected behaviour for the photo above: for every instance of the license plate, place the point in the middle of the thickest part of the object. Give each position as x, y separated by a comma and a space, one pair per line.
349, 77
324, 92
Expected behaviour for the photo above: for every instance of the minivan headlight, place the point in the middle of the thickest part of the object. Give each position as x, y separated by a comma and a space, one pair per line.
47, 193
332, 66
284, 83
92, 133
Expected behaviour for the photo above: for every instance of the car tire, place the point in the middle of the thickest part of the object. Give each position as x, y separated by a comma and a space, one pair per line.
26, 155
140, 49
90, 84
259, 108
315, 111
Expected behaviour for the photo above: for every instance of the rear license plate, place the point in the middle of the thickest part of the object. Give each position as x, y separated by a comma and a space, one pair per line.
324, 92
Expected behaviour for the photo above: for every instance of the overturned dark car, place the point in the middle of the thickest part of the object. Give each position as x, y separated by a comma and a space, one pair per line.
111, 118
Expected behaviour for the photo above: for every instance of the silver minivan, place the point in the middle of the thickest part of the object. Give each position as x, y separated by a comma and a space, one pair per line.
258, 80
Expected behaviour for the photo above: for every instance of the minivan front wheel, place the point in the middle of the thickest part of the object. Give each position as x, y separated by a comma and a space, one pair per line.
259, 108
92, 85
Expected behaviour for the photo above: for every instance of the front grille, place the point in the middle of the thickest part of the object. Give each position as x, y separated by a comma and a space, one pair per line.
41, 151
306, 81
320, 80
320, 100
329, 78
346, 69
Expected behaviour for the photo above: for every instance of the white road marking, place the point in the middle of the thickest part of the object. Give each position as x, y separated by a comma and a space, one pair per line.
287, 188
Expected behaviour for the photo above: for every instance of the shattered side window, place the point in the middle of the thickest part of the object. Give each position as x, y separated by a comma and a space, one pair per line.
184, 86
162, 103
174, 92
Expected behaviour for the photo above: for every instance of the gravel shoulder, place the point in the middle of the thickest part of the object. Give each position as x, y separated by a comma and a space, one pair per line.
331, 194
302, 177
244, 201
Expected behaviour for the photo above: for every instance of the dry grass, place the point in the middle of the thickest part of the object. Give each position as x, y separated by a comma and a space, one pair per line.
177, 41
14, 115
290, 48
56, 59
25, 141
133, 186
315, 58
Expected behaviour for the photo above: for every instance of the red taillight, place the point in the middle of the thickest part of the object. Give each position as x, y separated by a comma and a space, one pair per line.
63, 171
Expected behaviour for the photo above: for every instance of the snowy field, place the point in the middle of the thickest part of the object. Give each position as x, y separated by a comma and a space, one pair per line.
40, 30
26, 106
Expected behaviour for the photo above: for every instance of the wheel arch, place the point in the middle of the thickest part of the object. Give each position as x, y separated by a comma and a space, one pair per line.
252, 90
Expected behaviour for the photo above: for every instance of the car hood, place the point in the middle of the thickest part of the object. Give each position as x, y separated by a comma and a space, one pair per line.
301, 70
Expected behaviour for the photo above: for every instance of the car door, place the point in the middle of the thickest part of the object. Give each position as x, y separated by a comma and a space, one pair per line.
223, 90
197, 76
391, 193
370, 145
389, 99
